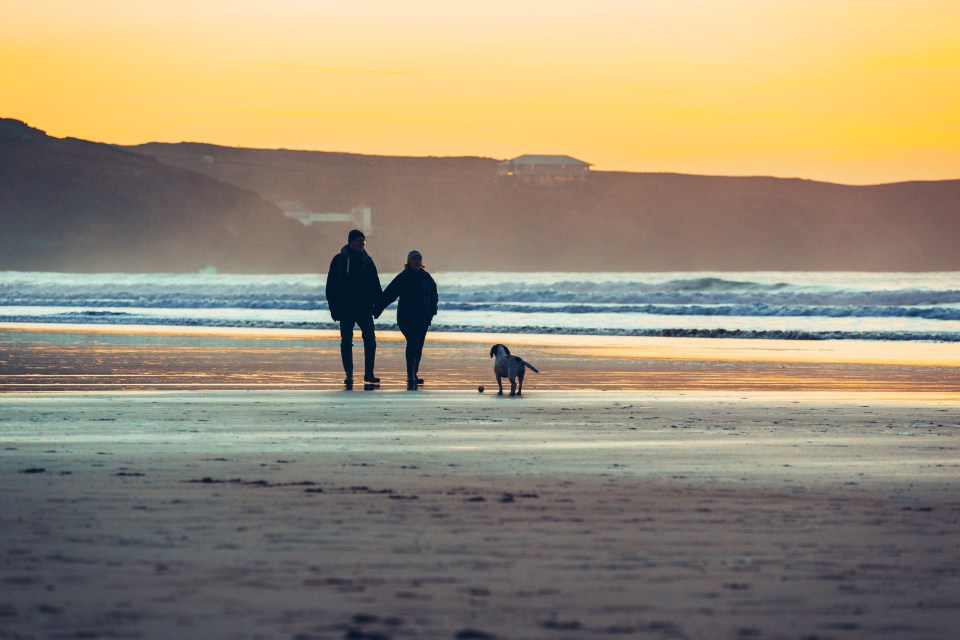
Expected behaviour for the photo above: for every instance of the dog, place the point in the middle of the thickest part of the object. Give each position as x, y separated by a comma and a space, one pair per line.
508, 366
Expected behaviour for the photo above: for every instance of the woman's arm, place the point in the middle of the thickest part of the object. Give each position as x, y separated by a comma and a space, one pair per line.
387, 298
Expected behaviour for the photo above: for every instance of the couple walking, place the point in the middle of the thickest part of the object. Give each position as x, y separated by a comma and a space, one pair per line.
355, 297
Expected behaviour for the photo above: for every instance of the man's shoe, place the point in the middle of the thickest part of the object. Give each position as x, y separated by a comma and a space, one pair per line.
348, 380
419, 380
371, 379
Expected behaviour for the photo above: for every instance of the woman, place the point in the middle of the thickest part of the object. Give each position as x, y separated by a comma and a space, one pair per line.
418, 304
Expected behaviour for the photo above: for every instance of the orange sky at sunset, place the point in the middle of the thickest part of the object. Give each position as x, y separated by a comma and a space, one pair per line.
850, 91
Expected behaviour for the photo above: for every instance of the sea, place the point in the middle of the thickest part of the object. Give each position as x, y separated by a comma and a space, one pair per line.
772, 305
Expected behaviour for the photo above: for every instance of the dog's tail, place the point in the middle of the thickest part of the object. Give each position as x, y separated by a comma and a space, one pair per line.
531, 367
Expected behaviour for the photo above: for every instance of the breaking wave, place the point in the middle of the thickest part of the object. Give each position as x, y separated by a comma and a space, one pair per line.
779, 305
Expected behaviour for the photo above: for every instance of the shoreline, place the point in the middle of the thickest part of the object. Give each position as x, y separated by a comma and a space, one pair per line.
757, 349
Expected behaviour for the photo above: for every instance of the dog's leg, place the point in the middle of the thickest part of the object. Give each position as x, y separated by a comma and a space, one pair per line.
520, 382
513, 385
499, 384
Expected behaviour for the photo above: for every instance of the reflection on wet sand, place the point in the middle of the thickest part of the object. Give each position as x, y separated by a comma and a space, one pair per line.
131, 359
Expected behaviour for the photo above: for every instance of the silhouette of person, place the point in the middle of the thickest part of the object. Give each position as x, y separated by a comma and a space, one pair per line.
353, 288
417, 292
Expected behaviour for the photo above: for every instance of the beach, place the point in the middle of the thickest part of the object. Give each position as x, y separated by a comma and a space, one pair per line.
199, 484
722, 237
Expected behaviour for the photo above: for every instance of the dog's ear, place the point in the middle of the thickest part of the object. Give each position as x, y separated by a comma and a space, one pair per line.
493, 351
505, 350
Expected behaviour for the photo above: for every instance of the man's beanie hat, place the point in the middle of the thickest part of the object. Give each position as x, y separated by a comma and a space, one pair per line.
354, 234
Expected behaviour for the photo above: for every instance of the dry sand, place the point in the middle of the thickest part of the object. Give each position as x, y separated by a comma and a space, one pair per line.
695, 513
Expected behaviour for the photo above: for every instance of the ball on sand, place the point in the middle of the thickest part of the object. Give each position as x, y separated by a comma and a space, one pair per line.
480, 389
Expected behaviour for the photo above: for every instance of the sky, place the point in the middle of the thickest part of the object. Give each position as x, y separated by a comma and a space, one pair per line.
848, 91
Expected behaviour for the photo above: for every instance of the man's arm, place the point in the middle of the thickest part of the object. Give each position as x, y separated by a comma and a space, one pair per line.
332, 290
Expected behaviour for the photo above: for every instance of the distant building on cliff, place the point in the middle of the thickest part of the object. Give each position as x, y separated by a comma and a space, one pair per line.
359, 217
543, 170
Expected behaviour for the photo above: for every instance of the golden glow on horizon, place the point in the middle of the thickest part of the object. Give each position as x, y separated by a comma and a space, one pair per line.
843, 90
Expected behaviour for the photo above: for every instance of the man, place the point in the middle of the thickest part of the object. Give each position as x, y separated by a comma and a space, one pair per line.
353, 288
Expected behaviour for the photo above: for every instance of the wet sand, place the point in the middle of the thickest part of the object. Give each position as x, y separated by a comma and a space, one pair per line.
819, 509
96, 358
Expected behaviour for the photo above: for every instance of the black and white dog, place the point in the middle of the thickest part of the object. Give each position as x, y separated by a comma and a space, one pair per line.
508, 366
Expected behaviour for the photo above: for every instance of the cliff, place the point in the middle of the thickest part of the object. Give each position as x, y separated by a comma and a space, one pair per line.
71, 205
461, 217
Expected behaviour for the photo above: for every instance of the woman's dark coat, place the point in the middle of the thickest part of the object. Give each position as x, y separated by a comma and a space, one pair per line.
417, 292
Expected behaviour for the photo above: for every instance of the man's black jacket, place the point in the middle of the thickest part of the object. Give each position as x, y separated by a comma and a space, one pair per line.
353, 285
